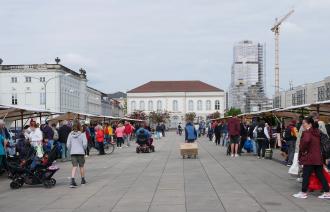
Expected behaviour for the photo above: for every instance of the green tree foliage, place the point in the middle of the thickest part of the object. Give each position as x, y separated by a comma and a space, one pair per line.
158, 117
138, 115
233, 111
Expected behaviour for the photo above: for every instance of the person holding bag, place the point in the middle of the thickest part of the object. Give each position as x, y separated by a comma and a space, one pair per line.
310, 158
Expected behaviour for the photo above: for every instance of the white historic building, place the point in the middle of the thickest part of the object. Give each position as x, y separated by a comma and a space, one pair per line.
177, 98
53, 87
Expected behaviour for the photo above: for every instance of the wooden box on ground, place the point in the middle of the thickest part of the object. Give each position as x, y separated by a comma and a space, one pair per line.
189, 149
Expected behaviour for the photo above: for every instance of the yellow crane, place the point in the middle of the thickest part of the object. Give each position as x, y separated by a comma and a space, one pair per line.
276, 30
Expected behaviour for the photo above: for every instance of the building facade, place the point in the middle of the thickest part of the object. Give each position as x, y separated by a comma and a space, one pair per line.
177, 98
49, 86
247, 87
303, 94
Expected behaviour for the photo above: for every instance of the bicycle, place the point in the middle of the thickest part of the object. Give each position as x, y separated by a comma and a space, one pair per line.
109, 147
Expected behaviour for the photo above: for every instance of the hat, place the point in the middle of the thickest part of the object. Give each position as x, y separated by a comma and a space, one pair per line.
293, 122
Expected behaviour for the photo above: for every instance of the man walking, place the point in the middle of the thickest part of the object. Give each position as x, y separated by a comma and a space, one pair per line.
234, 129
63, 133
190, 133
290, 136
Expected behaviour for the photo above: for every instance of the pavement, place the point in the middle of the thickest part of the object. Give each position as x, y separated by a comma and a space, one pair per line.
163, 181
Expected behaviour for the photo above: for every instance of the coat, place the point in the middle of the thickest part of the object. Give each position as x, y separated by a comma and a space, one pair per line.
310, 148
99, 136
234, 127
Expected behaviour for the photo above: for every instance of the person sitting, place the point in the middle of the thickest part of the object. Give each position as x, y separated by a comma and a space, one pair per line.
142, 136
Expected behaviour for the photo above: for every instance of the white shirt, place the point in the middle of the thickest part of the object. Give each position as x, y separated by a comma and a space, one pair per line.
35, 136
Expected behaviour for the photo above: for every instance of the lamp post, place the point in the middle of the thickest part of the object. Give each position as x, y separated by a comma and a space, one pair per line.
45, 83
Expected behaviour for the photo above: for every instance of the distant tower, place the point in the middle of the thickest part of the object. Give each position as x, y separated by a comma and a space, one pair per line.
247, 88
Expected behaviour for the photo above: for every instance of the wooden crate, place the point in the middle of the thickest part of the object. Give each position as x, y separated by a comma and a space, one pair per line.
189, 150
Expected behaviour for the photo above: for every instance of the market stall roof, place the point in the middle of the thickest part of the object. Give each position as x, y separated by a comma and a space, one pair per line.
10, 112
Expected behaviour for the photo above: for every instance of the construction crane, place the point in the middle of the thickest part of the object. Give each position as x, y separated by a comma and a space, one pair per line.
276, 30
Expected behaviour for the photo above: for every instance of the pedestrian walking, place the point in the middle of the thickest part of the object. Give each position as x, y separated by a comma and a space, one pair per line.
77, 144
163, 127
129, 129
99, 135
224, 134
190, 133
158, 131
290, 136
217, 133
234, 129
120, 132
311, 159
2, 153
243, 135
63, 134
262, 138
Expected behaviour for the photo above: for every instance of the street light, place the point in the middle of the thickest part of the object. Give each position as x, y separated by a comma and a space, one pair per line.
46, 82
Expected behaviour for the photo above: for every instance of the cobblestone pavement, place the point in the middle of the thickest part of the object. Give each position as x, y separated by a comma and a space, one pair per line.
163, 181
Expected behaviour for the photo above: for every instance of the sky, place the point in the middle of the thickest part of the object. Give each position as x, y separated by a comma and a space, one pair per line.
125, 43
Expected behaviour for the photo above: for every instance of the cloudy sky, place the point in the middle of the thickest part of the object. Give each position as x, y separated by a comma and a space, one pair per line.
125, 43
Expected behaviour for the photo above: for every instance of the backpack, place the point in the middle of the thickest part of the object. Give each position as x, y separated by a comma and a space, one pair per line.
191, 132
260, 132
288, 134
325, 145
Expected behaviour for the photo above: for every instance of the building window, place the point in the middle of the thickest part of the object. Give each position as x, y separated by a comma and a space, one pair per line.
14, 99
321, 93
208, 105
199, 105
42, 98
217, 105
277, 102
175, 105
327, 91
150, 105
301, 97
191, 105
159, 105
14, 80
27, 79
142, 106
133, 105
42, 79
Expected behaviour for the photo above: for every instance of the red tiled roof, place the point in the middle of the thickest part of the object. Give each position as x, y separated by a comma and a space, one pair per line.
175, 86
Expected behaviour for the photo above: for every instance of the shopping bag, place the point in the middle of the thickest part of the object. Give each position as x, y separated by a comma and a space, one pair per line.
314, 182
248, 145
294, 169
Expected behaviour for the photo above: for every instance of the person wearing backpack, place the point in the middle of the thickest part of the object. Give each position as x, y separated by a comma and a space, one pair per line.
290, 136
311, 159
190, 133
262, 138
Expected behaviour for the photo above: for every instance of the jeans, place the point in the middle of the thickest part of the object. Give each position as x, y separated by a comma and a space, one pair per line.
307, 171
224, 139
254, 146
217, 139
101, 148
262, 143
291, 150
65, 152
120, 141
128, 139
158, 134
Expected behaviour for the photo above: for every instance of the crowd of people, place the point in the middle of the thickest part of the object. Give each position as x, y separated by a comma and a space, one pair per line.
71, 139
303, 143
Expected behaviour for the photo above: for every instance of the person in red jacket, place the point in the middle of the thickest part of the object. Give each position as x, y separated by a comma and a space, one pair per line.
100, 138
311, 159
234, 130
128, 132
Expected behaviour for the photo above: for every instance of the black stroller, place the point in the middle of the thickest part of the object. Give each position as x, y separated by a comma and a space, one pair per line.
25, 172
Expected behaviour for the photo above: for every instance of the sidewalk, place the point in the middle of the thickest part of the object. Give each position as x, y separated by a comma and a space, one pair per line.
163, 181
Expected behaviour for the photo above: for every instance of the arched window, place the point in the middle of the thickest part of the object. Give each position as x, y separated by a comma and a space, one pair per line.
133, 105
217, 105
175, 105
159, 105
191, 105
199, 105
142, 106
150, 105
208, 105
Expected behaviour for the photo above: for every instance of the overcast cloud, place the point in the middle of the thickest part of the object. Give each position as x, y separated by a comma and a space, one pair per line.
124, 43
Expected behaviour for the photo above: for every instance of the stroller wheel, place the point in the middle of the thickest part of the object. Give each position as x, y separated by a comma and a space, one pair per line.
14, 185
48, 184
52, 181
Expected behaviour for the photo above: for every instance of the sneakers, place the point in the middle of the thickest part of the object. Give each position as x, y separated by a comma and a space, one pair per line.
236, 156
73, 183
232, 155
324, 196
300, 195
299, 179
83, 181
258, 157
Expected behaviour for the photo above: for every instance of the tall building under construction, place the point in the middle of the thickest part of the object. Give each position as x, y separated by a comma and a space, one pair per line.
247, 87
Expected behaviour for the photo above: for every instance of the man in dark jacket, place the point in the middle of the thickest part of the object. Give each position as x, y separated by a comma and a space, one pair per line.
244, 134
63, 133
218, 133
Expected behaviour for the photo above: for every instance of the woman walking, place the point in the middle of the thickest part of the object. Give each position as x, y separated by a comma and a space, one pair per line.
311, 159
100, 138
77, 144
120, 134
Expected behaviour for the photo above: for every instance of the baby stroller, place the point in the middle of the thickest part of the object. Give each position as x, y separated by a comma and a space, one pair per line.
30, 171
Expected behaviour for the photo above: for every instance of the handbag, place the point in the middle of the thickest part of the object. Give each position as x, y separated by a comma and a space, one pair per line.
294, 169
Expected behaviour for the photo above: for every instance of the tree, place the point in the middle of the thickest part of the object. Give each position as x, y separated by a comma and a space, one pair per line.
214, 115
138, 115
190, 117
233, 111
158, 117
